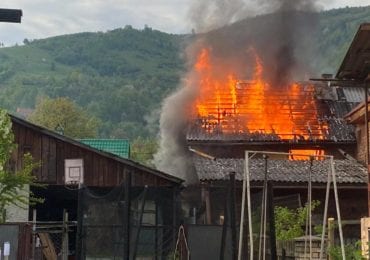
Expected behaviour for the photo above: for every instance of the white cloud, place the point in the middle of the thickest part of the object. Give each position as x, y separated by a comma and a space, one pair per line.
45, 18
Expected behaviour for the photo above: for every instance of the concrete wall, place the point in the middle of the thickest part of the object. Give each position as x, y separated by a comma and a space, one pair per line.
18, 214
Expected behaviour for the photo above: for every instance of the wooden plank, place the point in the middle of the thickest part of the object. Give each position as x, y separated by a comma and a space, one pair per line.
21, 147
44, 158
52, 163
34, 140
101, 172
88, 165
47, 246
365, 225
60, 162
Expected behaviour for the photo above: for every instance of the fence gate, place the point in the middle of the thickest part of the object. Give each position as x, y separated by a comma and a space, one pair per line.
51, 240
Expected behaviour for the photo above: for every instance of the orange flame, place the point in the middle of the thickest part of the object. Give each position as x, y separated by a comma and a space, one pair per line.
229, 106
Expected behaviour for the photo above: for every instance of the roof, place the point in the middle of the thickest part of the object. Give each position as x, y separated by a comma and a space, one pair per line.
357, 114
280, 170
118, 147
356, 63
330, 110
125, 161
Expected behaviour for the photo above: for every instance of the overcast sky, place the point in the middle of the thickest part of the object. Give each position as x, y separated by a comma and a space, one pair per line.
45, 18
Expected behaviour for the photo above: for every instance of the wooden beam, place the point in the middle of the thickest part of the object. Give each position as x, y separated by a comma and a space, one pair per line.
10, 15
365, 225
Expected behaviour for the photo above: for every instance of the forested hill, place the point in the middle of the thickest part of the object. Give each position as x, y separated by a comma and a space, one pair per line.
121, 76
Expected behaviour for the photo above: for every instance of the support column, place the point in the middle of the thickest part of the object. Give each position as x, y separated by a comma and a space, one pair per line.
367, 143
233, 216
80, 248
127, 211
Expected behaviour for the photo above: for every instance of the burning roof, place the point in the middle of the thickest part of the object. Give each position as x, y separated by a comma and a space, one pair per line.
263, 110
250, 112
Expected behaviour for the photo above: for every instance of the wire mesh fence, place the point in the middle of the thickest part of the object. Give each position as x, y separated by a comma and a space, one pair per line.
113, 227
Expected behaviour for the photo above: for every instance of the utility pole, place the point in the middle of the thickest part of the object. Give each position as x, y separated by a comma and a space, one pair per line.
10, 15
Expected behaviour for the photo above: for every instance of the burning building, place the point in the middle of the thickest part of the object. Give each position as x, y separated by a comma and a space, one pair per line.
300, 118
245, 91
303, 119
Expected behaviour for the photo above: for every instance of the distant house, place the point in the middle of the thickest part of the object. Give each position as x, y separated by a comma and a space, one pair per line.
120, 147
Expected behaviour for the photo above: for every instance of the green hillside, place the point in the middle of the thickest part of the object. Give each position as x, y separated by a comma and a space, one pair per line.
121, 76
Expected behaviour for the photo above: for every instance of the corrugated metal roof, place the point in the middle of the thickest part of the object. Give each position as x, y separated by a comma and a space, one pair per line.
353, 94
118, 147
287, 171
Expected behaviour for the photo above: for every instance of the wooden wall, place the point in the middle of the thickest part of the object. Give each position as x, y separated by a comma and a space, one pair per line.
99, 170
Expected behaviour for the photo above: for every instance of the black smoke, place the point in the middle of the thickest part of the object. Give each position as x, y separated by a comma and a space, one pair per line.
282, 35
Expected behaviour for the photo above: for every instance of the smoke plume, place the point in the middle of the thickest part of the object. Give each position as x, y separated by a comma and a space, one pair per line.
282, 35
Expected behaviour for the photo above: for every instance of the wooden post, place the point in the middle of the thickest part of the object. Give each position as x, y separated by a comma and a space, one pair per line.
330, 235
80, 236
142, 209
156, 242
365, 225
367, 143
207, 202
224, 226
34, 215
174, 216
65, 236
126, 219
232, 216
271, 216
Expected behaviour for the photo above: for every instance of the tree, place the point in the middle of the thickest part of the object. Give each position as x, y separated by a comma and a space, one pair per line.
143, 149
13, 185
64, 116
289, 222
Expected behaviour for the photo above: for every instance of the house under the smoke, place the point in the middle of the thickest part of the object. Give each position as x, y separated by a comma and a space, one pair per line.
220, 138
224, 154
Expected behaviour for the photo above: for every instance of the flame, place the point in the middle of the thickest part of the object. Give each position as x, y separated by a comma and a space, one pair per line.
227, 105
316, 154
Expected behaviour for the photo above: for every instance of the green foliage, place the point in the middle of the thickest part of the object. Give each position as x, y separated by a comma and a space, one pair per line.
121, 76
64, 116
6, 139
289, 223
143, 149
13, 185
352, 251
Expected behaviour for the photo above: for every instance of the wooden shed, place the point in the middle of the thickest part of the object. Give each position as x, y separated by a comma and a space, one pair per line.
118, 196
101, 169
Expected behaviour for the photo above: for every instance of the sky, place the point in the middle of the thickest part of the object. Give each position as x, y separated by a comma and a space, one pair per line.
46, 18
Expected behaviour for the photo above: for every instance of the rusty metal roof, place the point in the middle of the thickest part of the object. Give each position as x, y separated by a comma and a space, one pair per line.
285, 171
